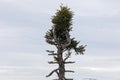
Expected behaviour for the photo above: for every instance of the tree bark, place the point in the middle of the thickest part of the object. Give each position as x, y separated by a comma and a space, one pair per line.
61, 75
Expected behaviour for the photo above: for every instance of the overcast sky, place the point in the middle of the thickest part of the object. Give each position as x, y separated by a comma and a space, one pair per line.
23, 24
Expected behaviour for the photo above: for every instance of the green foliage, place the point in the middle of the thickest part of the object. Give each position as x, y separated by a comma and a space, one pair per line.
49, 37
63, 18
62, 22
56, 58
74, 46
80, 49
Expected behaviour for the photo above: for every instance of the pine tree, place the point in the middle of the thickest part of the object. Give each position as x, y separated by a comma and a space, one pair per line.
59, 36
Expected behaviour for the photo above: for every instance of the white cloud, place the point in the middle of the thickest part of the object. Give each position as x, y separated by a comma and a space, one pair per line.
22, 45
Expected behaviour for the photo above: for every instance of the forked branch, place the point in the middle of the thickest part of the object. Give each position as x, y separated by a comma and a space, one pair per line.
55, 70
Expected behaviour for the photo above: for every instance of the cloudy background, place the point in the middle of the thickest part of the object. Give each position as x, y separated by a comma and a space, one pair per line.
23, 24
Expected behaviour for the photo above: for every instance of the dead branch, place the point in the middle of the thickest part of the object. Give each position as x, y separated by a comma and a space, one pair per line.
53, 54
55, 70
52, 62
50, 51
69, 62
69, 71
67, 56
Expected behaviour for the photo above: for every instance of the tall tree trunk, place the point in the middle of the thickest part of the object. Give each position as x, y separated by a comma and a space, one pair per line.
61, 65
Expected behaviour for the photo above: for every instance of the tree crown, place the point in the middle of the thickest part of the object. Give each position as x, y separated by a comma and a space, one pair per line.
59, 33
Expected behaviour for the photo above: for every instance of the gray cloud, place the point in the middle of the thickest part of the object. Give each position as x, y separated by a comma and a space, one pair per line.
23, 25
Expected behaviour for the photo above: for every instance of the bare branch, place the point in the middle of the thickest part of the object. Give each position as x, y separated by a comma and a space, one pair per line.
55, 70
50, 51
69, 71
53, 54
68, 55
69, 62
51, 62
